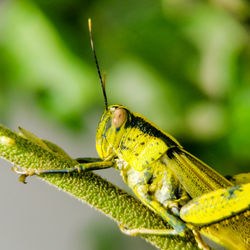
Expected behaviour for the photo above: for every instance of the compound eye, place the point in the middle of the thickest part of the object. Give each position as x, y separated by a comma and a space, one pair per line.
119, 117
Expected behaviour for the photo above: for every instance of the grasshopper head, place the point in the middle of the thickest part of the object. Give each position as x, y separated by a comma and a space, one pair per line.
110, 130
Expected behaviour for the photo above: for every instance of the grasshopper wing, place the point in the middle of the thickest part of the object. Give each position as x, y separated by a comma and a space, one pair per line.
196, 177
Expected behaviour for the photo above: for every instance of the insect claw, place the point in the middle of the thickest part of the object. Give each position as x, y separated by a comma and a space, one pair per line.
24, 174
22, 178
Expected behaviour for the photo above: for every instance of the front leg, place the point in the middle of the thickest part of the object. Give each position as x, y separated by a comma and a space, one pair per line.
88, 165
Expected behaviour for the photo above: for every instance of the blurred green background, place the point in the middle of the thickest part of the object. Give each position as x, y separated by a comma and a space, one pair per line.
184, 64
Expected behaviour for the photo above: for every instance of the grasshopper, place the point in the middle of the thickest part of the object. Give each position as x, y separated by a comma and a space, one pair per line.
176, 185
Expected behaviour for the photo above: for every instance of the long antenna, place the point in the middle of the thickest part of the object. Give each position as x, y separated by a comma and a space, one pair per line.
97, 66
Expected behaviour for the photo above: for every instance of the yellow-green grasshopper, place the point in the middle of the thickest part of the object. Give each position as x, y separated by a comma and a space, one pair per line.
183, 190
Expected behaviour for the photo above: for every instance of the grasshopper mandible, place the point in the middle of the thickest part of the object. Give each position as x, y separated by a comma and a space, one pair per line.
183, 190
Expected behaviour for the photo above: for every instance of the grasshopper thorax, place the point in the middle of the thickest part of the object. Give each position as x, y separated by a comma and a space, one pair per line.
110, 130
